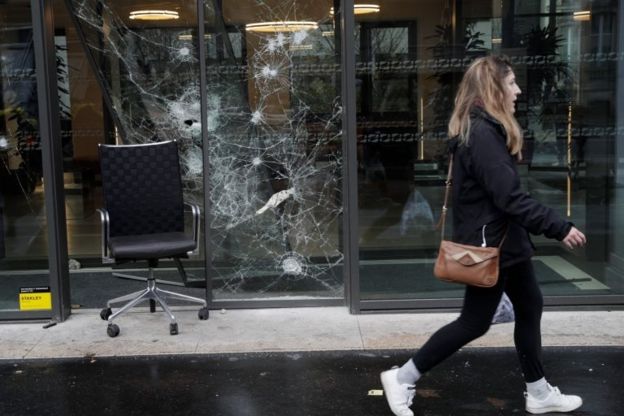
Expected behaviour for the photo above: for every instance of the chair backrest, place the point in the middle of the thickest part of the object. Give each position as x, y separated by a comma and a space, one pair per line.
142, 188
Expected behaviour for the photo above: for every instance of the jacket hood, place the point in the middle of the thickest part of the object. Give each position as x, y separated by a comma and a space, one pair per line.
477, 112
452, 144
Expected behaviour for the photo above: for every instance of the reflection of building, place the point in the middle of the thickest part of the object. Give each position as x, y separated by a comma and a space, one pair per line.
344, 125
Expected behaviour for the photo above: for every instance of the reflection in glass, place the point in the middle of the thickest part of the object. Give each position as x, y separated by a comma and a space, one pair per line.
23, 232
410, 61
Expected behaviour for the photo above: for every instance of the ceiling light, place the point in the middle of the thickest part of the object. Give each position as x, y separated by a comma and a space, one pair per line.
154, 15
366, 8
190, 37
306, 47
582, 16
361, 9
295, 26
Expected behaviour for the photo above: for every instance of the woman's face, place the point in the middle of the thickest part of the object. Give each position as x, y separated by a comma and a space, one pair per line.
511, 91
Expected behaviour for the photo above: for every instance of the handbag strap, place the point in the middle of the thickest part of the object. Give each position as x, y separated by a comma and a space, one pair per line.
447, 191
449, 180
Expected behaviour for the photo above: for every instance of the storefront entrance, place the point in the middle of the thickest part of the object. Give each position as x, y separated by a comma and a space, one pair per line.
319, 165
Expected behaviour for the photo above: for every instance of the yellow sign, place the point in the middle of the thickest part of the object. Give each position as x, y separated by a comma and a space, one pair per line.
35, 298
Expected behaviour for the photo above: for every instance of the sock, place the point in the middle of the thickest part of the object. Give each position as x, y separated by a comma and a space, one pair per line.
539, 389
408, 374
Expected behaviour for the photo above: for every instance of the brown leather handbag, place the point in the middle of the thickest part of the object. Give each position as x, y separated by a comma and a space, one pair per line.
463, 263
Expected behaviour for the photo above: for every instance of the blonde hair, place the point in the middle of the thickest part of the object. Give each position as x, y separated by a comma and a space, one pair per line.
483, 85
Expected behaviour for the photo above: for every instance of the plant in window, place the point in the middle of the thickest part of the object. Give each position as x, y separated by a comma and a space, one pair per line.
548, 77
549, 88
446, 74
24, 140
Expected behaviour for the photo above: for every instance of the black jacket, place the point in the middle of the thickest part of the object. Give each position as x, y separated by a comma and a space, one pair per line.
487, 197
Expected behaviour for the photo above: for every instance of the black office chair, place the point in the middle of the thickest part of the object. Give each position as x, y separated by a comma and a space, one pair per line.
143, 219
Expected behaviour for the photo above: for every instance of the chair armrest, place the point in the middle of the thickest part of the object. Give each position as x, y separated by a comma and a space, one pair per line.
105, 221
194, 208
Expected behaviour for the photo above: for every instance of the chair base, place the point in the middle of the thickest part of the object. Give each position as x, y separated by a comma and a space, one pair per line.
195, 283
153, 294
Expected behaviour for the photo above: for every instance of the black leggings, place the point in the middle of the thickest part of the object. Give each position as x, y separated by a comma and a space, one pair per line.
519, 282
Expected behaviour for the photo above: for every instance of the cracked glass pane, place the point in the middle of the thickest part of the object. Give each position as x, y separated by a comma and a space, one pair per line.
273, 121
274, 125
151, 72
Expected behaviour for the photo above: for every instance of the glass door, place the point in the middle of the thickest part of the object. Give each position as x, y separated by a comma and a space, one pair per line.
24, 272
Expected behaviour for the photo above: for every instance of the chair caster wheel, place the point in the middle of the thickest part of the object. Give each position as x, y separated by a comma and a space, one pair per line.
203, 313
105, 313
112, 330
173, 328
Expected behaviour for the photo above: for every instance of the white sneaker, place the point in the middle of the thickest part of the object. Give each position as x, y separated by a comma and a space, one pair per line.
399, 396
555, 402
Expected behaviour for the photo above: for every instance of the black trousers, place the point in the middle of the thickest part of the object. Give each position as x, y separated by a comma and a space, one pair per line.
520, 284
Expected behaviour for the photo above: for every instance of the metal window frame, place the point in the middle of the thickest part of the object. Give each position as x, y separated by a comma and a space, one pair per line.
203, 111
349, 151
52, 155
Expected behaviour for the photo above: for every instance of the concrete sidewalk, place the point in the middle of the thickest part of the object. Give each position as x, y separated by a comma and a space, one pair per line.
279, 330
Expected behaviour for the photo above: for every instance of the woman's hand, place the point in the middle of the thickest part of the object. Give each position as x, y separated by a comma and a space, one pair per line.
575, 238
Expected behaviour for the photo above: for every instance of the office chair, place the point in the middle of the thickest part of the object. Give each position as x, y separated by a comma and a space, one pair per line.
143, 219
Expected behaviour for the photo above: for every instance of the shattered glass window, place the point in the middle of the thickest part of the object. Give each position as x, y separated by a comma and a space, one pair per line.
274, 126
274, 129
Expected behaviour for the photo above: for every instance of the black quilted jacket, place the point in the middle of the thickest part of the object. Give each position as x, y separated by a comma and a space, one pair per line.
487, 197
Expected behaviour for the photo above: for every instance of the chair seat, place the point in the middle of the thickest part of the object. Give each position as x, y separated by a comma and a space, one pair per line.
150, 246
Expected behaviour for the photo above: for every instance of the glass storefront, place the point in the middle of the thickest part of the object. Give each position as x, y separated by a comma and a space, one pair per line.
268, 164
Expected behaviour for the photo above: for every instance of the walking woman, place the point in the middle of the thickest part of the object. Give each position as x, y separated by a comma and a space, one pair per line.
488, 203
